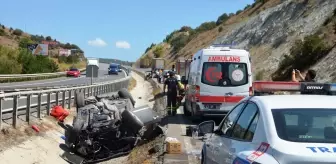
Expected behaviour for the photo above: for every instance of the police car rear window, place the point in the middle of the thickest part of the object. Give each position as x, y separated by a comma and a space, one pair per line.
306, 125
224, 74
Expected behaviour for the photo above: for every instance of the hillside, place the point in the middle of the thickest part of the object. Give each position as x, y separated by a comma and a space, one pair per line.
279, 34
13, 51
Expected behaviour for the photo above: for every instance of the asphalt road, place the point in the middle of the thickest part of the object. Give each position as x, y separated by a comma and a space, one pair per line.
64, 81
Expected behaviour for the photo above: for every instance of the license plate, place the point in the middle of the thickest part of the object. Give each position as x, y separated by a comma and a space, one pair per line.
212, 106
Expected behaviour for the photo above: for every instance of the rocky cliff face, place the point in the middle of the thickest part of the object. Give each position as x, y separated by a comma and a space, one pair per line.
272, 33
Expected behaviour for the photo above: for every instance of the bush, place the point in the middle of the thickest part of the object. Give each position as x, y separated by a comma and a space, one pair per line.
220, 29
10, 29
23, 43
302, 56
2, 32
69, 59
17, 32
36, 63
259, 75
158, 51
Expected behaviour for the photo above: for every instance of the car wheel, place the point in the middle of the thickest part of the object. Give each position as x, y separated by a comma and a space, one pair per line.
185, 110
123, 93
80, 99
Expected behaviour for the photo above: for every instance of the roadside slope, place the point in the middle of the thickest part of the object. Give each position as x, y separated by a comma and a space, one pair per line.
271, 30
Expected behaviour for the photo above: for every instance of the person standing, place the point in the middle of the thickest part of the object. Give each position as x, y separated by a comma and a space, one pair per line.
310, 76
172, 85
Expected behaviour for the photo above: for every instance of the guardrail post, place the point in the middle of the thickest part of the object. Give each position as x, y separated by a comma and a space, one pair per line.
69, 99
84, 91
56, 98
15, 108
75, 94
28, 108
39, 100
63, 99
91, 88
1, 113
48, 104
96, 92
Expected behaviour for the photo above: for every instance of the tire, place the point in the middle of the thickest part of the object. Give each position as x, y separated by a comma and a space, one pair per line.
202, 160
185, 110
123, 93
80, 99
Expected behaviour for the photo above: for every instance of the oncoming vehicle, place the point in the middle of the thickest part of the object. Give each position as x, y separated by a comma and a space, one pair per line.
114, 69
276, 129
73, 72
218, 79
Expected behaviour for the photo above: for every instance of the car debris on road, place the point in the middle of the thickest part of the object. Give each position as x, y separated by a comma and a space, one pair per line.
108, 126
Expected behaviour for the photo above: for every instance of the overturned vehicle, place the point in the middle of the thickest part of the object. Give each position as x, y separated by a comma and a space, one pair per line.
107, 126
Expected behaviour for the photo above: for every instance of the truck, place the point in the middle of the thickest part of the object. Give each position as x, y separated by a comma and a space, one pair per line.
93, 61
182, 66
158, 63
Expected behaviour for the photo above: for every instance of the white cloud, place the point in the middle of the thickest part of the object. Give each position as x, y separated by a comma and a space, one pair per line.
97, 42
122, 44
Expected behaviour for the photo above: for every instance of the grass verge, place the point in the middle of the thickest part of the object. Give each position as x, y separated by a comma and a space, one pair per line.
132, 84
10, 80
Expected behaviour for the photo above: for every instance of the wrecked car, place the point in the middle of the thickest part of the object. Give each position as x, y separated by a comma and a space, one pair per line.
107, 126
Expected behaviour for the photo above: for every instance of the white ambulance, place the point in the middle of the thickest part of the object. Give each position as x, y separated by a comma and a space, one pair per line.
218, 79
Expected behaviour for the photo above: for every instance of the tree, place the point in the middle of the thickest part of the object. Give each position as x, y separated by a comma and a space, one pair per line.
224, 17
206, 26
185, 29
48, 38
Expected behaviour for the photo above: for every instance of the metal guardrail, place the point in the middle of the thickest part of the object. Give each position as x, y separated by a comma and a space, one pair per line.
21, 102
12, 76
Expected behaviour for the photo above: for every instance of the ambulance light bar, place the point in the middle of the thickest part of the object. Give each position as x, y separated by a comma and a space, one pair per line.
303, 87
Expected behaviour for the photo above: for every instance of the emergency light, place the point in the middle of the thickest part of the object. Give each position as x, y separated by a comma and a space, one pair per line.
302, 87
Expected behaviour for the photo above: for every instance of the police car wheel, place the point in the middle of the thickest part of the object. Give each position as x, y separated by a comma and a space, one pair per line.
202, 158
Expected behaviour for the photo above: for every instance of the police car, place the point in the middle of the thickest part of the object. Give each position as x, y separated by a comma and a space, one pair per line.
276, 129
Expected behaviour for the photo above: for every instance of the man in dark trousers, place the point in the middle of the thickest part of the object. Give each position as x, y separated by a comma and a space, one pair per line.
172, 84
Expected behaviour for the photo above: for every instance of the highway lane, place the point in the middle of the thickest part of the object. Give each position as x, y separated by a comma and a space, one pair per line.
63, 81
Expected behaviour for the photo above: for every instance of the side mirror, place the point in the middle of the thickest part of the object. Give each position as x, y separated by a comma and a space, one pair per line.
206, 127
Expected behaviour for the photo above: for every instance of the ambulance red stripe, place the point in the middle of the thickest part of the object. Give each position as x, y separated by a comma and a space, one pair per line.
230, 99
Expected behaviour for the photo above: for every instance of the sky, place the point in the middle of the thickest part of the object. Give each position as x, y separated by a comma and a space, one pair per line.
109, 28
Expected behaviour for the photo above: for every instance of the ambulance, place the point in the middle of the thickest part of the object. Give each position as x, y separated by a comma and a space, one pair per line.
219, 77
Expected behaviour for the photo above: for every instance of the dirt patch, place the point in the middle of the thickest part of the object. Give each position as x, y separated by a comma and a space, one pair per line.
132, 84
151, 152
25, 140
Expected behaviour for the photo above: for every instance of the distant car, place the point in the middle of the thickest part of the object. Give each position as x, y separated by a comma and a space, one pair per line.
73, 72
114, 69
